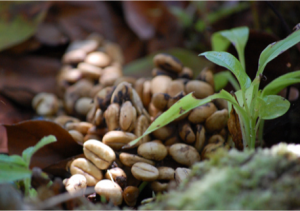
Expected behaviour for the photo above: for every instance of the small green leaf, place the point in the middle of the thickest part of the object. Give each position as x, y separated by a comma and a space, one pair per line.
238, 37
228, 61
27, 153
219, 42
10, 172
183, 106
275, 49
221, 79
281, 82
274, 106
15, 159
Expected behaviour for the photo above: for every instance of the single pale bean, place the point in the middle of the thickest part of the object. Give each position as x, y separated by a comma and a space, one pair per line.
75, 183
207, 76
181, 174
159, 187
45, 104
100, 154
142, 124
110, 190
200, 137
146, 97
145, 172
112, 115
83, 105
175, 87
89, 70
164, 133
153, 150
160, 84
130, 159
168, 62
201, 113
118, 139
165, 173
82, 127
99, 59
215, 139
87, 169
77, 136
201, 89
184, 154
127, 118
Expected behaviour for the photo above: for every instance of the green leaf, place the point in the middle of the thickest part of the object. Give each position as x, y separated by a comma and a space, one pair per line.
19, 21
238, 37
274, 106
219, 42
275, 49
27, 153
221, 79
228, 61
281, 82
183, 106
14, 159
10, 172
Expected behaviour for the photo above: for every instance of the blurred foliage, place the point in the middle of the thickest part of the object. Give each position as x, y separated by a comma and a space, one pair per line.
19, 21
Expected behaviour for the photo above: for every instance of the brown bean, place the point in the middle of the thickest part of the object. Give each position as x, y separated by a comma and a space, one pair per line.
83, 105
89, 70
184, 154
63, 120
130, 159
201, 113
112, 115
130, 195
168, 62
217, 121
153, 150
110, 75
181, 174
77, 136
186, 73
164, 133
160, 100
145, 172
142, 124
175, 87
200, 137
159, 187
215, 139
87, 169
82, 127
127, 118
100, 154
207, 76
201, 89
186, 133
111, 190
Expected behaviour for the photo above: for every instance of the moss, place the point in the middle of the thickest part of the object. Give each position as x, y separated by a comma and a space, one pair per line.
262, 179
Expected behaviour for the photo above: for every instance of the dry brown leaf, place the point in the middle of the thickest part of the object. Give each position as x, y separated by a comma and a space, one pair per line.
28, 133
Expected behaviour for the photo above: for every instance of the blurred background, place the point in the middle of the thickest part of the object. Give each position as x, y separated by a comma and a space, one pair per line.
35, 35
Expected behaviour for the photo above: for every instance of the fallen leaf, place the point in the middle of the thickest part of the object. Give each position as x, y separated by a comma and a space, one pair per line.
28, 133
19, 20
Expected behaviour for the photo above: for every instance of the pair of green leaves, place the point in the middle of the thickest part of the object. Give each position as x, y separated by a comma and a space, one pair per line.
251, 103
16, 167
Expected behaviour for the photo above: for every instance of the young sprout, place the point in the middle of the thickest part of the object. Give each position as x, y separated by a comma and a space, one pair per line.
250, 104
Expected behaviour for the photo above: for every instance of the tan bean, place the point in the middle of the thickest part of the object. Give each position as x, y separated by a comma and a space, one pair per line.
112, 115
186, 73
172, 140
217, 121
200, 137
146, 97
82, 127
164, 133
100, 154
130, 195
99, 117
175, 87
118, 175
201, 89
184, 154
84, 45
45, 104
99, 59
221, 104
83, 105
160, 84
142, 124
87, 169
75, 183
215, 139
201, 113
168, 62
153, 150
110, 75
210, 149
117, 139
173, 100
63, 120
77, 136
160, 100
89, 70
122, 93
127, 79
207, 76
130, 159
165, 173
74, 57
158, 71
145, 172
111, 190
181, 174
127, 118
153, 111
159, 187
139, 85
186, 133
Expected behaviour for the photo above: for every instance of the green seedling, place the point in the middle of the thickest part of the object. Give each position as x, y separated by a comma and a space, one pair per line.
251, 104
15, 168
